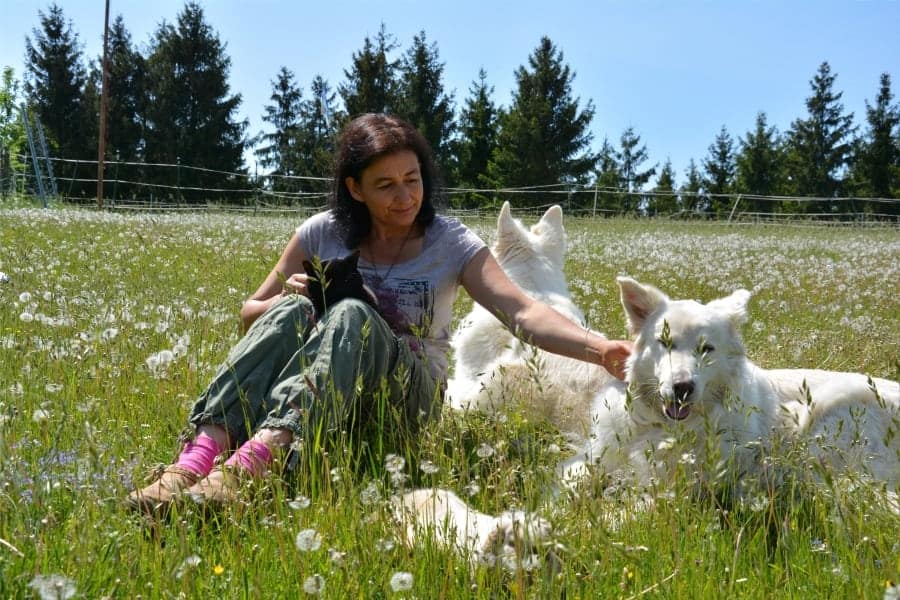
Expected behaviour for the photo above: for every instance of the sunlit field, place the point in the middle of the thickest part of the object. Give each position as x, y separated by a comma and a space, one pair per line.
112, 323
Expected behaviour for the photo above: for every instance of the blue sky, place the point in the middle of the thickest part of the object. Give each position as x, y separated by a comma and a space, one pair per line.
675, 71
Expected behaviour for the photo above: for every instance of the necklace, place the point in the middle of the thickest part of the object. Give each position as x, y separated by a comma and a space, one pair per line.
379, 279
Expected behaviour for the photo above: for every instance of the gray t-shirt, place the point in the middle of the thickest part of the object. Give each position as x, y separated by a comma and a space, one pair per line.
416, 296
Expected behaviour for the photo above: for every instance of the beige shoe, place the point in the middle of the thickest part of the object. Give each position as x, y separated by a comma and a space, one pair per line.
157, 497
219, 488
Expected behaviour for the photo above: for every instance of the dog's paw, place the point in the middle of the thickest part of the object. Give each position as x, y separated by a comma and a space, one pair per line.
518, 540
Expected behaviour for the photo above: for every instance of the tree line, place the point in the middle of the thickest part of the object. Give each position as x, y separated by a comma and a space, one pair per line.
172, 104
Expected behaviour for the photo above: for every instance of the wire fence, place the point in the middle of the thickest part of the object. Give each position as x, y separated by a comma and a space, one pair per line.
133, 185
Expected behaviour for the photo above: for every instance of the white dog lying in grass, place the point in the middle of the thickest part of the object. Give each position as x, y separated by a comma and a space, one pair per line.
694, 396
514, 539
492, 366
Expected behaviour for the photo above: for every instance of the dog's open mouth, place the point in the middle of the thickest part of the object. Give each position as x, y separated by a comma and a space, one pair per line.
676, 409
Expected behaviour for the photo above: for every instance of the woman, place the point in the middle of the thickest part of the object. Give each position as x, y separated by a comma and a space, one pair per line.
291, 374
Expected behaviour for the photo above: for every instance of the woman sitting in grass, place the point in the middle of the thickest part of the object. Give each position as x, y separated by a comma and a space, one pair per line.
292, 375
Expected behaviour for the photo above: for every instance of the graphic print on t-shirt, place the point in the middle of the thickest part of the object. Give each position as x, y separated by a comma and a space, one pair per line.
408, 307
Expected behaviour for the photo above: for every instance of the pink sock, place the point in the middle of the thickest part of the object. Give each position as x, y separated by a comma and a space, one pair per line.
253, 455
198, 456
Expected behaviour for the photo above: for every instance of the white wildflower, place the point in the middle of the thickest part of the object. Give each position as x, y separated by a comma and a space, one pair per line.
394, 463
53, 587
485, 451
401, 581
314, 585
308, 540
428, 467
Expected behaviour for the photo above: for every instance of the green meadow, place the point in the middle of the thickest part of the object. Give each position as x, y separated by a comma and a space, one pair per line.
112, 323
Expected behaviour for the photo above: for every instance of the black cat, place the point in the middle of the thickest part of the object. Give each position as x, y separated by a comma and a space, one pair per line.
341, 279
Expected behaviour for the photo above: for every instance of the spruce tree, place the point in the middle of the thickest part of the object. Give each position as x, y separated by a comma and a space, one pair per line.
691, 192
319, 118
610, 195
279, 153
126, 94
877, 167
759, 164
476, 142
422, 100
631, 156
191, 116
125, 109
664, 201
371, 84
55, 78
544, 137
719, 169
819, 146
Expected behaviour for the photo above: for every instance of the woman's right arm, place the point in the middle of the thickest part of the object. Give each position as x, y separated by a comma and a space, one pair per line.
290, 266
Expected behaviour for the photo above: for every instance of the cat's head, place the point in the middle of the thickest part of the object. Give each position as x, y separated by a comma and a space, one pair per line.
333, 280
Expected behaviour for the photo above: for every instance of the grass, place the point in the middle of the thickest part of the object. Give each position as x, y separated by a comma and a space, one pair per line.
112, 324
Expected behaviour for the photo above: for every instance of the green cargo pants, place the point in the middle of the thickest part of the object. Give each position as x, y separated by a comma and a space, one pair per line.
291, 371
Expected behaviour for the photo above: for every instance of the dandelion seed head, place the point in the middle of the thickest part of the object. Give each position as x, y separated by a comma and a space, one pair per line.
299, 503
385, 545
485, 451
308, 540
314, 585
26, 317
53, 587
370, 494
401, 581
25, 298
428, 467
394, 463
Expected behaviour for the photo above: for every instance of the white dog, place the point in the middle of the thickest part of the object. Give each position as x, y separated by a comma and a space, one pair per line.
514, 539
689, 380
492, 366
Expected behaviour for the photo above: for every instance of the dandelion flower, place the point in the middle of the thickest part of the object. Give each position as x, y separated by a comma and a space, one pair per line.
218, 569
53, 587
314, 585
471, 489
401, 581
485, 451
308, 540
299, 503
428, 467
394, 463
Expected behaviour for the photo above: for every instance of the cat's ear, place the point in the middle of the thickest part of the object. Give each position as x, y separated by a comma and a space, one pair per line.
353, 259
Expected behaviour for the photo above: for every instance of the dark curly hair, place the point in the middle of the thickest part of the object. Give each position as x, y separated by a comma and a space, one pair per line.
365, 139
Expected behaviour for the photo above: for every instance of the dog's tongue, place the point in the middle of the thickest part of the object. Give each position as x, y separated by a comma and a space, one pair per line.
677, 410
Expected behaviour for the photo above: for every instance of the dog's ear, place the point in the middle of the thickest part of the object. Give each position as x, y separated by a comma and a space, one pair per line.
352, 259
552, 234
308, 267
552, 220
734, 307
639, 301
506, 225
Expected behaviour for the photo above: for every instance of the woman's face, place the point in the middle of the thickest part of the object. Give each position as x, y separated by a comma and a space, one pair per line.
391, 188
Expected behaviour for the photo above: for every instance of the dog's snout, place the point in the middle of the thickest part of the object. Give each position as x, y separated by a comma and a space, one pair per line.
682, 390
